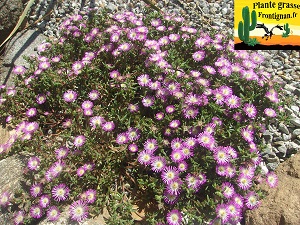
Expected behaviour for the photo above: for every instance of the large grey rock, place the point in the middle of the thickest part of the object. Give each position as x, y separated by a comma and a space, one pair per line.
10, 12
281, 206
23, 44
10, 179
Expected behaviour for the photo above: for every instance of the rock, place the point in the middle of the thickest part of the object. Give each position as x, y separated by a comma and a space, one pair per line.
297, 92
267, 135
10, 180
295, 121
273, 166
282, 149
282, 127
10, 12
295, 108
296, 132
289, 87
22, 44
286, 137
281, 206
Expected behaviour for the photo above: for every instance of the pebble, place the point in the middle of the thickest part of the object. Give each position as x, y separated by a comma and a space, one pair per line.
283, 128
295, 121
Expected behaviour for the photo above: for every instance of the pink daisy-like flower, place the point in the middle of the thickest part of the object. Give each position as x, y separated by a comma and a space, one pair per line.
4, 198
221, 170
40, 99
174, 186
96, 121
233, 209
247, 171
44, 65
272, 179
198, 56
233, 102
133, 147
133, 134
174, 37
93, 95
257, 58
36, 211
190, 142
60, 192
108, 126
44, 201
169, 173
228, 190
177, 156
237, 116
186, 151
192, 181
67, 123
202, 42
80, 171
61, 152
87, 105
159, 115
182, 166
19, 217
122, 138
150, 145
244, 182
174, 124
19, 70
89, 166
90, 196
70, 96
114, 74
247, 134
33, 163
238, 200
170, 109
31, 127
192, 99
144, 80
174, 217
190, 112
252, 200
148, 101
270, 112
176, 144
31, 112
272, 95
57, 168
124, 47
202, 178
53, 213
145, 157
222, 213
79, 141
221, 156
164, 41
36, 190
225, 71
133, 108
210, 69
79, 211
206, 140
169, 198
250, 110
77, 67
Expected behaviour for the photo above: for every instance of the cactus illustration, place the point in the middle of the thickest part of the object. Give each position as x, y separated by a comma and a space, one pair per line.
245, 28
287, 30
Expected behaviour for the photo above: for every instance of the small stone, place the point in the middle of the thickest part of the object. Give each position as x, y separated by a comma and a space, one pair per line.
295, 108
295, 121
296, 132
282, 149
297, 92
282, 127
273, 166
267, 135
297, 68
224, 11
292, 146
289, 87
286, 137
278, 143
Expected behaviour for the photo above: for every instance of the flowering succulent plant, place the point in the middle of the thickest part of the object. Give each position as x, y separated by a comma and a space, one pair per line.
126, 109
